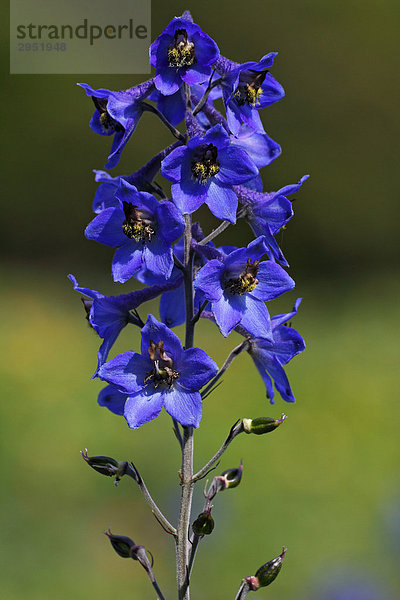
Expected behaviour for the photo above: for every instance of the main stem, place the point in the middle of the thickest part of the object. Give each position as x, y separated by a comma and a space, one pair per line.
186, 474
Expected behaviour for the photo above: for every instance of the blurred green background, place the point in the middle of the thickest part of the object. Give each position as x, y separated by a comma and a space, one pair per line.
325, 484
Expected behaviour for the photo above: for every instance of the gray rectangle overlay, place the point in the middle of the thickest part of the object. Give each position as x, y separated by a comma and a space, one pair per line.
80, 36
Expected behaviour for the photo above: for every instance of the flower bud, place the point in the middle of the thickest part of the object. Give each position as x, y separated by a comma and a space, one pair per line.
233, 477
204, 524
267, 573
262, 425
121, 544
110, 467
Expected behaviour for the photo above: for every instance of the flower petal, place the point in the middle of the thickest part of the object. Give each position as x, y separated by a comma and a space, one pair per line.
183, 406
142, 408
112, 399
126, 371
127, 261
196, 369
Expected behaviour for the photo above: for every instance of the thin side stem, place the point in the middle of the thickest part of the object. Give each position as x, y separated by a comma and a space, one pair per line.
235, 430
224, 225
243, 591
193, 550
175, 132
235, 352
157, 589
165, 524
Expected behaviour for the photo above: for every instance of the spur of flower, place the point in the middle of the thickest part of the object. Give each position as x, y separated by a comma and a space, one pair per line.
141, 228
238, 285
117, 114
270, 356
164, 374
205, 170
183, 53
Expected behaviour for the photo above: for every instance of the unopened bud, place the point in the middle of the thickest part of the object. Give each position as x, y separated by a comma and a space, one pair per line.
262, 425
267, 573
121, 544
110, 467
228, 479
233, 477
204, 524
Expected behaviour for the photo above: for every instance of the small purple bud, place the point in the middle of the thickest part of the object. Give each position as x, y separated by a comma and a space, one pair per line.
110, 467
121, 544
204, 524
228, 479
262, 425
233, 477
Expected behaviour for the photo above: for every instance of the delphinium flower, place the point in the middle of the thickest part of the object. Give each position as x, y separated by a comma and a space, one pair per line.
247, 88
117, 114
238, 286
205, 170
108, 315
270, 356
164, 374
183, 53
141, 228
268, 213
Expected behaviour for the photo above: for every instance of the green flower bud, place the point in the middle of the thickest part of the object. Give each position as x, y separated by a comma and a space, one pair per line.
267, 573
204, 524
262, 425
121, 544
233, 477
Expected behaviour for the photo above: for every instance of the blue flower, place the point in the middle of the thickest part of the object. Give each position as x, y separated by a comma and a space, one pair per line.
108, 315
269, 356
259, 146
247, 87
164, 374
238, 285
182, 53
141, 179
205, 170
141, 228
173, 107
117, 114
267, 213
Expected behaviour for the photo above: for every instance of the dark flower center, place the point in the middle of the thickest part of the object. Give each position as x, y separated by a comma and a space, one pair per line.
106, 120
205, 163
181, 52
138, 224
249, 88
246, 281
163, 372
